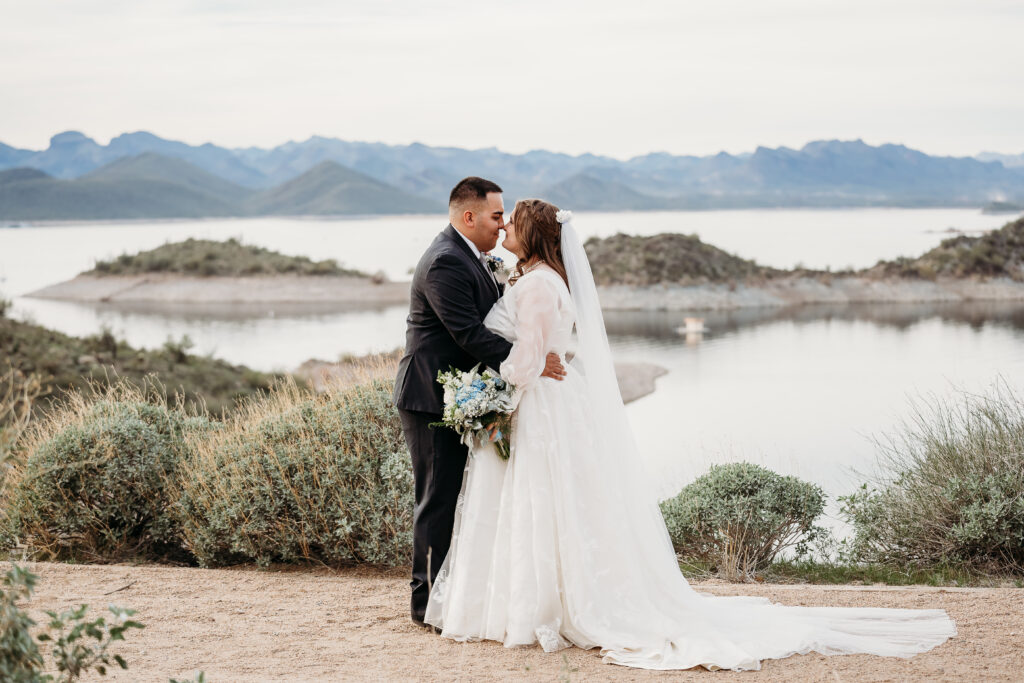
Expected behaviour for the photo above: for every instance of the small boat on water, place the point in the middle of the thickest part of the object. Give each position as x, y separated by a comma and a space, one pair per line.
692, 326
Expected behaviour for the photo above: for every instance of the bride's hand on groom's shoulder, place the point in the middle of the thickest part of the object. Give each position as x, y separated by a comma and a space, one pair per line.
553, 367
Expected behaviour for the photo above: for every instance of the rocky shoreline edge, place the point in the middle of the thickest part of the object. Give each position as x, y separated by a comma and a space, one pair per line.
798, 290
173, 288
295, 289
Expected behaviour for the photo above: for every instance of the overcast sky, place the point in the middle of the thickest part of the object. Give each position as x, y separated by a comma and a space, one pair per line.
620, 78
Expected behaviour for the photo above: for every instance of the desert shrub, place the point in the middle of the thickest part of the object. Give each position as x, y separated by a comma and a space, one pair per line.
104, 343
296, 476
5, 305
209, 258
666, 258
74, 652
740, 516
17, 394
999, 253
95, 480
177, 350
950, 488
66, 363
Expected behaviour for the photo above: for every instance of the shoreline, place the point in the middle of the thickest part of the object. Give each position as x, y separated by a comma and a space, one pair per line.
800, 290
173, 288
296, 289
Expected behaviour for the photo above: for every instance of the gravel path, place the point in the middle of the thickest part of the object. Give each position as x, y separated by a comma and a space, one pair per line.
303, 624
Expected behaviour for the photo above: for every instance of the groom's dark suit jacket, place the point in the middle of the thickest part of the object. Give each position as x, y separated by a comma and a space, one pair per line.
451, 294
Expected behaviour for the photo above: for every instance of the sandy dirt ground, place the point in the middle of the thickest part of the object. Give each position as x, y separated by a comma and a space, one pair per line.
310, 624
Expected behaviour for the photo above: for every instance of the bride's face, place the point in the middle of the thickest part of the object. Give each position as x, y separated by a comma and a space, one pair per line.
510, 242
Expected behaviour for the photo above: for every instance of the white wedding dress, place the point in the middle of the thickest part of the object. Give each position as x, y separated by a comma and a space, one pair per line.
565, 545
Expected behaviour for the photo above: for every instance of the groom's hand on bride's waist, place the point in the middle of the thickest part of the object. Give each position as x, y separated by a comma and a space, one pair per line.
553, 367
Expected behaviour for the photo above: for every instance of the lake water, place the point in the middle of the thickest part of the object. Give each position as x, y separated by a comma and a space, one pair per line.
802, 391
33, 257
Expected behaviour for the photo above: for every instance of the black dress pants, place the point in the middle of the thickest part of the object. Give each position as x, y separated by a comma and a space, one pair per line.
438, 462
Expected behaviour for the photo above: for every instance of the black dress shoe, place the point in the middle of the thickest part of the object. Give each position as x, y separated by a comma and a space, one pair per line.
423, 624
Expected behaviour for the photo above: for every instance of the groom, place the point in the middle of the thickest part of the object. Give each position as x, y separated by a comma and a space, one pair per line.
452, 291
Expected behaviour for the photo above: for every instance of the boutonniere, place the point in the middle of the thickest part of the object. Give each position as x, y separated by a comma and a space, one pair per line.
497, 267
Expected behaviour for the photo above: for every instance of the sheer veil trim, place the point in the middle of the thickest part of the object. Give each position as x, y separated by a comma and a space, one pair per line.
593, 360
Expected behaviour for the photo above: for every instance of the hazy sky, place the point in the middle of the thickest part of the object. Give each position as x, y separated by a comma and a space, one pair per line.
621, 78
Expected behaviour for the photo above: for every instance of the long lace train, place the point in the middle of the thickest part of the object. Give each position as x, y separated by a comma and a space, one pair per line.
555, 547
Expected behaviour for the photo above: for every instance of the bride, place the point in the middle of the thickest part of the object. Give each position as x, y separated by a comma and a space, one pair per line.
564, 544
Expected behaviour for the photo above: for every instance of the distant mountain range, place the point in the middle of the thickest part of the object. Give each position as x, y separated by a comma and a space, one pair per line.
1007, 160
151, 185
140, 175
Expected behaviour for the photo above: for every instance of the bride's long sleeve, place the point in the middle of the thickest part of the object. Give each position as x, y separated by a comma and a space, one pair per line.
537, 314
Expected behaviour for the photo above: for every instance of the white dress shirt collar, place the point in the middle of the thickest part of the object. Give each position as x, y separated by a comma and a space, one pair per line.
476, 252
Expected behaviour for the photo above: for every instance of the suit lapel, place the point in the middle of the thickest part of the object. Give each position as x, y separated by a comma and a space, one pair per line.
454, 236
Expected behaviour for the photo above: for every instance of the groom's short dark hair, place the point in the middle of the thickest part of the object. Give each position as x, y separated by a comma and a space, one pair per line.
471, 188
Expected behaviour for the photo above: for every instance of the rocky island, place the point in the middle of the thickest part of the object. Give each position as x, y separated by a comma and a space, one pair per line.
679, 272
669, 271
203, 272
209, 272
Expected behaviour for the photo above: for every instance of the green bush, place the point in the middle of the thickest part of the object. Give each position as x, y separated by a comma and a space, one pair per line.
666, 258
97, 479
178, 350
20, 659
74, 653
209, 258
295, 476
66, 364
999, 253
950, 489
740, 516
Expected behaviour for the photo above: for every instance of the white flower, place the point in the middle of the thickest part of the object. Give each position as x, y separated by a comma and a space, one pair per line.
564, 216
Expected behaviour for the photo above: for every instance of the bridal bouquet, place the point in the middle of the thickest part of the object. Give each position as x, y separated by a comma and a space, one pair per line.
473, 401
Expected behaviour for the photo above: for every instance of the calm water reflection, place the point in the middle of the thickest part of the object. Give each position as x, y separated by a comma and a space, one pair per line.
263, 337
804, 390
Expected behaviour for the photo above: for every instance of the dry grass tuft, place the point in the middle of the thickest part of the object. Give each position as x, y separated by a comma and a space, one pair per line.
93, 478
297, 475
950, 489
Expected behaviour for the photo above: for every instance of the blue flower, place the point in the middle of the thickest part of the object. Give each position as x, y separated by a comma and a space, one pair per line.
466, 394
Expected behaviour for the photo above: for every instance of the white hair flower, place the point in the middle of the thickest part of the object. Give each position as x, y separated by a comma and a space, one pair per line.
563, 216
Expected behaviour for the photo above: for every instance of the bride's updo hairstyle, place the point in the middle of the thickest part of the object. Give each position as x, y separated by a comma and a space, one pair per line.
539, 235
